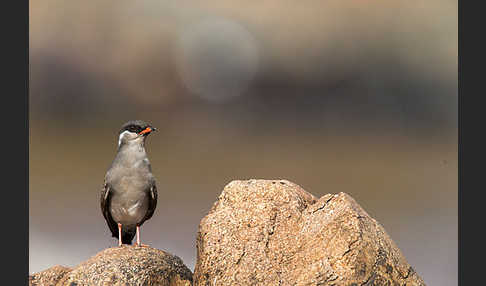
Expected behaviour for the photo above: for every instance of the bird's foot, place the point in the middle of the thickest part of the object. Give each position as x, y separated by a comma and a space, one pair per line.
141, 245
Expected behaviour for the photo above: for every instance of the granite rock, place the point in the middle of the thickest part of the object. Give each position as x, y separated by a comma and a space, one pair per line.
273, 232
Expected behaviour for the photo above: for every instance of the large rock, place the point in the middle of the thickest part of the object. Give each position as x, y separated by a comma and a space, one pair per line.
263, 232
49, 276
126, 265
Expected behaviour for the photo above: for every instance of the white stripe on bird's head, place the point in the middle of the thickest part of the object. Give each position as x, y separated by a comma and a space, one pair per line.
125, 136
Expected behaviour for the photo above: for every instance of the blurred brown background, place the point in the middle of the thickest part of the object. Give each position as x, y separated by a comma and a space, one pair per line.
351, 96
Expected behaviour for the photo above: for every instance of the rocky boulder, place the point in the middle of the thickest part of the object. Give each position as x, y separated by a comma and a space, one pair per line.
272, 232
126, 265
49, 276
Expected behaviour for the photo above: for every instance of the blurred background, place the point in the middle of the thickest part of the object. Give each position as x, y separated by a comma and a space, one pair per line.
336, 96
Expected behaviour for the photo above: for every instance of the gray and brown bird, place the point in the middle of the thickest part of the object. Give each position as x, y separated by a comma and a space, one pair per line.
129, 194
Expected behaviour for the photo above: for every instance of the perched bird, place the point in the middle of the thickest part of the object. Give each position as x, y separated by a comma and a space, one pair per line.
129, 194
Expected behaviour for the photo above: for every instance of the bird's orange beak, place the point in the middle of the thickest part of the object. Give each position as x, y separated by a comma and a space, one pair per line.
147, 130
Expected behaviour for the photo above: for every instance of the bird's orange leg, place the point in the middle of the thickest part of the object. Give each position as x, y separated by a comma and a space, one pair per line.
119, 234
139, 243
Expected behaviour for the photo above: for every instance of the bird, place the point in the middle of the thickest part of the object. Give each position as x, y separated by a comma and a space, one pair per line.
129, 192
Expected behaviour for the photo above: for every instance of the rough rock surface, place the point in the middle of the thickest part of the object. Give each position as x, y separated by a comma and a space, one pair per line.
126, 265
272, 232
49, 276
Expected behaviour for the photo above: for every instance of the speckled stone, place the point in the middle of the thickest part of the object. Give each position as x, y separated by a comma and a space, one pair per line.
272, 232
49, 277
126, 265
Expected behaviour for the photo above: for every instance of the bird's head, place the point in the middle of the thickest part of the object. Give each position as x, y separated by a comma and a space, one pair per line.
134, 131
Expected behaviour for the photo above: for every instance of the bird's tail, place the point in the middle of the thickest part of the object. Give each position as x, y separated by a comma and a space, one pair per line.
127, 236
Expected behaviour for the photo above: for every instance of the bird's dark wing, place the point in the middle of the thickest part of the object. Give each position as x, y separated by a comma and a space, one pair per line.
105, 208
152, 203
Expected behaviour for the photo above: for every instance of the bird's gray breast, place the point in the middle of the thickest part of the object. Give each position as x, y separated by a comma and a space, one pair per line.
129, 201
131, 182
